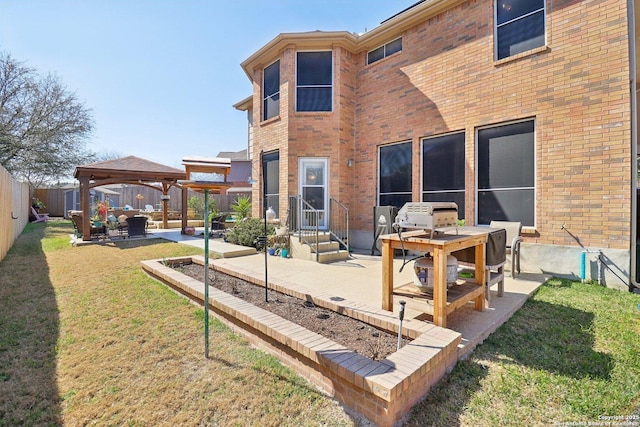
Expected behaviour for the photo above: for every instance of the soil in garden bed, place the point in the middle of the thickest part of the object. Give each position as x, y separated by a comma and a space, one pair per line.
358, 336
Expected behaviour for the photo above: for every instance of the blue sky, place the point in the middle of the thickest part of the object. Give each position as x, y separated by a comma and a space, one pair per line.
161, 76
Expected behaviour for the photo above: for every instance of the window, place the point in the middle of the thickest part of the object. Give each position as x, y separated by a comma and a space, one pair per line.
506, 175
520, 26
271, 91
394, 180
443, 175
314, 81
384, 51
271, 165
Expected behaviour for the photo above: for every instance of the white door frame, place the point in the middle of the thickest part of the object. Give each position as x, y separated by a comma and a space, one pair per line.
313, 178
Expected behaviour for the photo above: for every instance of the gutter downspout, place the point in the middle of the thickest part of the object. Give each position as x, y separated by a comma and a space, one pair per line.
634, 144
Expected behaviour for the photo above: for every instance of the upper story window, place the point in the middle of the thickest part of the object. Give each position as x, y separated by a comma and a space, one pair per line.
314, 81
384, 51
271, 91
520, 26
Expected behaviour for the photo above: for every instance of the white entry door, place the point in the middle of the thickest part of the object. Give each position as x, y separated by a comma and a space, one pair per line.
314, 190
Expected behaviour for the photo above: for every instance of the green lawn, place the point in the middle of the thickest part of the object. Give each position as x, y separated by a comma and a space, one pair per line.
571, 354
87, 339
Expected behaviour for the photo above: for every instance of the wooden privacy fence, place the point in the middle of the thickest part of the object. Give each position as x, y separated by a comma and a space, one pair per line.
53, 198
14, 210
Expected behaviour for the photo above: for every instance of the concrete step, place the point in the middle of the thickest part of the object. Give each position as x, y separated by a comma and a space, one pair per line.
322, 237
328, 257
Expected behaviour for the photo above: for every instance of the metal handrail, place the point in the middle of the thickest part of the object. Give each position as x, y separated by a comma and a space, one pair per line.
339, 222
302, 212
308, 234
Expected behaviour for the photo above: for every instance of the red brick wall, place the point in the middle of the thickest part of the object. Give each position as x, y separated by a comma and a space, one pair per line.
445, 79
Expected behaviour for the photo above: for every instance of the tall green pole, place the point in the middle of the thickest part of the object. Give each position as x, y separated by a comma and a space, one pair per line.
264, 218
206, 273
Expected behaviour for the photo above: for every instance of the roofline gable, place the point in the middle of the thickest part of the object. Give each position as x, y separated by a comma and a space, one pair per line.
390, 28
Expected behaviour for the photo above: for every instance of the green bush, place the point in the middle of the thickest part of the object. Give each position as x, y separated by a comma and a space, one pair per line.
246, 232
242, 207
197, 203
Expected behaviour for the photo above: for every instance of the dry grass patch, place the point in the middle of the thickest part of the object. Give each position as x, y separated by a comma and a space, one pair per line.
93, 340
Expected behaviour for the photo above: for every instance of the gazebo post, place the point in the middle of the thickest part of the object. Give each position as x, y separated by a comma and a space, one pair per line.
165, 200
85, 208
183, 209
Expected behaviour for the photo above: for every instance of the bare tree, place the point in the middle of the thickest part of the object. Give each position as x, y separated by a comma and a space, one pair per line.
43, 126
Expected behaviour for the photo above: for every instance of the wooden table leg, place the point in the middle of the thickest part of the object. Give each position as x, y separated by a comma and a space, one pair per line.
439, 287
480, 263
387, 276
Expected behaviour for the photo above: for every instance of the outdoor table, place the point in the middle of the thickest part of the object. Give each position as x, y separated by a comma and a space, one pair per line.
439, 246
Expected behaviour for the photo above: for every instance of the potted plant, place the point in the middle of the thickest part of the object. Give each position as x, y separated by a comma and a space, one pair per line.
100, 216
37, 204
195, 205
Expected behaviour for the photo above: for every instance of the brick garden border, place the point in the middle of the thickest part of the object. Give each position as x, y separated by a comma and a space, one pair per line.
382, 391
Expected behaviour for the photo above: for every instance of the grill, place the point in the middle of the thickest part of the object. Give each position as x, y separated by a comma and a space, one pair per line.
427, 216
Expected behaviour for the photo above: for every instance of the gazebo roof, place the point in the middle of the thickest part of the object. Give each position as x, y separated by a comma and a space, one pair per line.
129, 169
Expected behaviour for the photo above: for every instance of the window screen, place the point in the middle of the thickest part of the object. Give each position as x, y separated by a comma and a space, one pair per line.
506, 175
314, 81
271, 91
520, 26
443, 170
395, 174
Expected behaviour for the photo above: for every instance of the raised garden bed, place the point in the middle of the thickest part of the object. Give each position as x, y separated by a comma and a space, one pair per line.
381, 390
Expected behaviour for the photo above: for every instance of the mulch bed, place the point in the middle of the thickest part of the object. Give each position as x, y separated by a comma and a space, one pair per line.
358, 336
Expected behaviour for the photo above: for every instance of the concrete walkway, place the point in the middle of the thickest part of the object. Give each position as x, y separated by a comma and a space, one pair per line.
360, 279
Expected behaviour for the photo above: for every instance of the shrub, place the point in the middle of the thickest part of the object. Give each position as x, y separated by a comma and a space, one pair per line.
197, 203
242, 207
246, 232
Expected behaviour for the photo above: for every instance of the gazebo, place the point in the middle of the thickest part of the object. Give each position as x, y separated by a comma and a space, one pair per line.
128, 170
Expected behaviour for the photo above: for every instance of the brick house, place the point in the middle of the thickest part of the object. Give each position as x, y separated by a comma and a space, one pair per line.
517, 110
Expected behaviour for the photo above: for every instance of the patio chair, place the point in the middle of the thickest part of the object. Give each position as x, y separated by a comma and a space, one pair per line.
39, 217
137, 226
148, 208
514, 238
119, 223
494, 262
93, 230
218, 225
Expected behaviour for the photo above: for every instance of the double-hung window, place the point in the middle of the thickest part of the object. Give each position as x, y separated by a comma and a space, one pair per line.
506, 173
443, 170
384, 51
271, 167
520, 26
314, 81
394, 179
271, 91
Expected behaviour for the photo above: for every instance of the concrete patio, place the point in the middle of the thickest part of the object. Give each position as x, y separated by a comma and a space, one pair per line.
381, 390
359, 279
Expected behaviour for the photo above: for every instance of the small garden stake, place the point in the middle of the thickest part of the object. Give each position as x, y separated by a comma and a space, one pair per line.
401, 315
